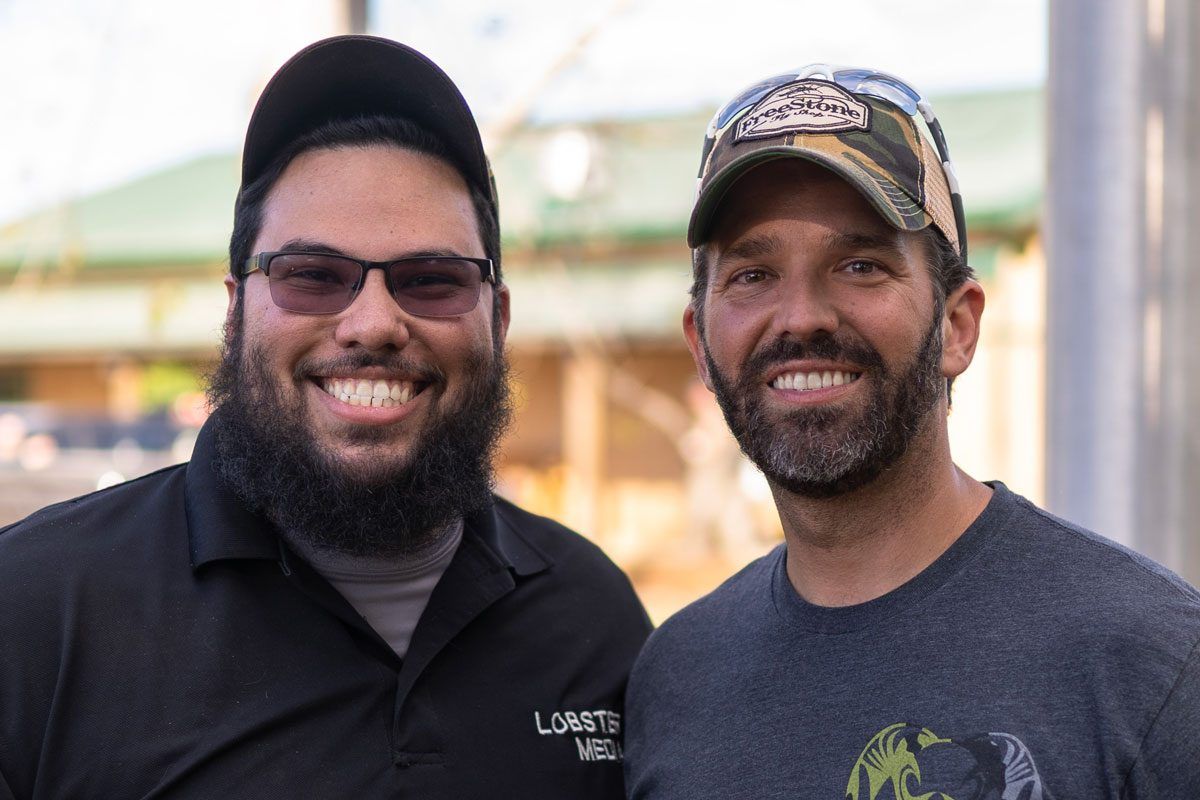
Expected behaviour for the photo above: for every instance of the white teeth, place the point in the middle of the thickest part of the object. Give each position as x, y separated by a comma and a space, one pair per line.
377, 394
807, 381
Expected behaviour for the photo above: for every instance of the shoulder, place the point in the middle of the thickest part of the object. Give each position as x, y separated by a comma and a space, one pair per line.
1104, 594
693, 661
73, 573
1089, 562
91, 525
723, 621
91, 543
576, 565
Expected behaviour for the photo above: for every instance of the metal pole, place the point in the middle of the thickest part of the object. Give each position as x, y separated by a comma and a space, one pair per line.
1174, 33
358, 15
1123, 389
1094, 245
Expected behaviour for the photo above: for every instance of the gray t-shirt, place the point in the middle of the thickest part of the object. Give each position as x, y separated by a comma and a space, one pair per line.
1033, 660
390, 596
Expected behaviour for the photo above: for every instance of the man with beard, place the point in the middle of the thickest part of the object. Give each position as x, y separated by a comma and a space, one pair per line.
328, 601
918, 634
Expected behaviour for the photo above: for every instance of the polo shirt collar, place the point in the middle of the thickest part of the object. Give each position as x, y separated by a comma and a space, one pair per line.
221, 526
505, 541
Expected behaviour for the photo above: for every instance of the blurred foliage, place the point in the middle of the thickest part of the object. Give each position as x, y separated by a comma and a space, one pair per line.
163, 381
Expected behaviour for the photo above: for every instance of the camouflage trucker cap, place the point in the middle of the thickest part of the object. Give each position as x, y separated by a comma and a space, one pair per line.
871, 141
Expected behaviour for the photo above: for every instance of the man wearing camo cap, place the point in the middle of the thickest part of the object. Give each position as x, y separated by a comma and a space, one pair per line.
919, 634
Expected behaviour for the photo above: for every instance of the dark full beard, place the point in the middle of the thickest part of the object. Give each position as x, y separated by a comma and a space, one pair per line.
825, 452
316, 499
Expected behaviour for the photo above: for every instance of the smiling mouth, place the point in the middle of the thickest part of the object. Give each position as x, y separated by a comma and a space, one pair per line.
376, 393
807, 381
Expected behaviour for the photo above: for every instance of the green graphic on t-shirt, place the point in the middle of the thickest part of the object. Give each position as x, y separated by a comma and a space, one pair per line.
908, 762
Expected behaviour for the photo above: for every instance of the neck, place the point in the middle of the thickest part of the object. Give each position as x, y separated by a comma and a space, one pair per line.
863, 544
429, 547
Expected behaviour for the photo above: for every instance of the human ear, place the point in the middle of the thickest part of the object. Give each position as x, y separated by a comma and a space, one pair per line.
692, 334
960, 328
502, 319
231, 287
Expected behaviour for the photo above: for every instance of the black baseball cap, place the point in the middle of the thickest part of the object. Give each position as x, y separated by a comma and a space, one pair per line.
352, 76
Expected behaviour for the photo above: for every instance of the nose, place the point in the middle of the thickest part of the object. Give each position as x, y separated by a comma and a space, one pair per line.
804, 308
374, 320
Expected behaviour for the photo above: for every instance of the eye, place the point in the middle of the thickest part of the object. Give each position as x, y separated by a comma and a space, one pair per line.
862, 268
430, 279
313, 275
748, 277
747, 283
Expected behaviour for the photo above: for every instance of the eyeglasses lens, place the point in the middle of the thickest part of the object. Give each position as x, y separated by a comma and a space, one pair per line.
312, 283
315, 283
898, 94
746, 98
436, 287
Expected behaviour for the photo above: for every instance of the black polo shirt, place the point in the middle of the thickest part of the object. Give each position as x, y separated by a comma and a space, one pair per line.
158, 640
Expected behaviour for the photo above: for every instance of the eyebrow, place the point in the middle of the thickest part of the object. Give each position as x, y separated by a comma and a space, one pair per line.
317, 246
769, 244
311, 246
750, 247
865, 241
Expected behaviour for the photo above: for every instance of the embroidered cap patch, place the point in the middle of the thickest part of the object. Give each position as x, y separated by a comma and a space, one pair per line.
804, 107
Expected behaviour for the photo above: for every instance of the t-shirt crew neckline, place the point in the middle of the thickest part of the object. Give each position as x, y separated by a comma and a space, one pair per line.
796, 612
336, 567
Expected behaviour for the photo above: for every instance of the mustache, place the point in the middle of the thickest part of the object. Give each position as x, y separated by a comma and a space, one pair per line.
362, 359
829, 347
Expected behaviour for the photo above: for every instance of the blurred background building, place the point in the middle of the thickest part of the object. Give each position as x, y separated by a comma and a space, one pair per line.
110, 286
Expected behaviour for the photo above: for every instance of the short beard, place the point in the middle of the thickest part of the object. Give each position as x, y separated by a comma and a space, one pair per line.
270, 460
824, 452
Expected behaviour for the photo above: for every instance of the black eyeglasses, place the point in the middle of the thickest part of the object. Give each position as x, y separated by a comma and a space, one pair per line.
323, 283
859, 81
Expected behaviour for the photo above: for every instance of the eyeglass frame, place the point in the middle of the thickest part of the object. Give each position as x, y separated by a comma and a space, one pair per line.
262, 262
913, 103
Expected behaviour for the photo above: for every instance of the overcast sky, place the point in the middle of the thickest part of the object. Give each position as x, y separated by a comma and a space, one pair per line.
94, 92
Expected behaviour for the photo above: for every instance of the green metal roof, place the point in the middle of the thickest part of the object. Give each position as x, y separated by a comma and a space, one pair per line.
639, 187
181, 215
998, 145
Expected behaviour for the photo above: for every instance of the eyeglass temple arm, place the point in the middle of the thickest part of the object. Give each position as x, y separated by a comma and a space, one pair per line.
250, 265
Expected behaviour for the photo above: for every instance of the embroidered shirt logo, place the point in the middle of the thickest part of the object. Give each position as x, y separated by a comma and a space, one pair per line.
597, 732
804, 107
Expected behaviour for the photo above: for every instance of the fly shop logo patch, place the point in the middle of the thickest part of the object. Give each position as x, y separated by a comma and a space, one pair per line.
804, 107
596, 732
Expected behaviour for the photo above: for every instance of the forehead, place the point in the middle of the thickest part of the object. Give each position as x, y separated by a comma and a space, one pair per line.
794, 190
374, 201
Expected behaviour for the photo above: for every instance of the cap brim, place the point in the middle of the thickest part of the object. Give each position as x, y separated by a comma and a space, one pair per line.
885, 202
351, 76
